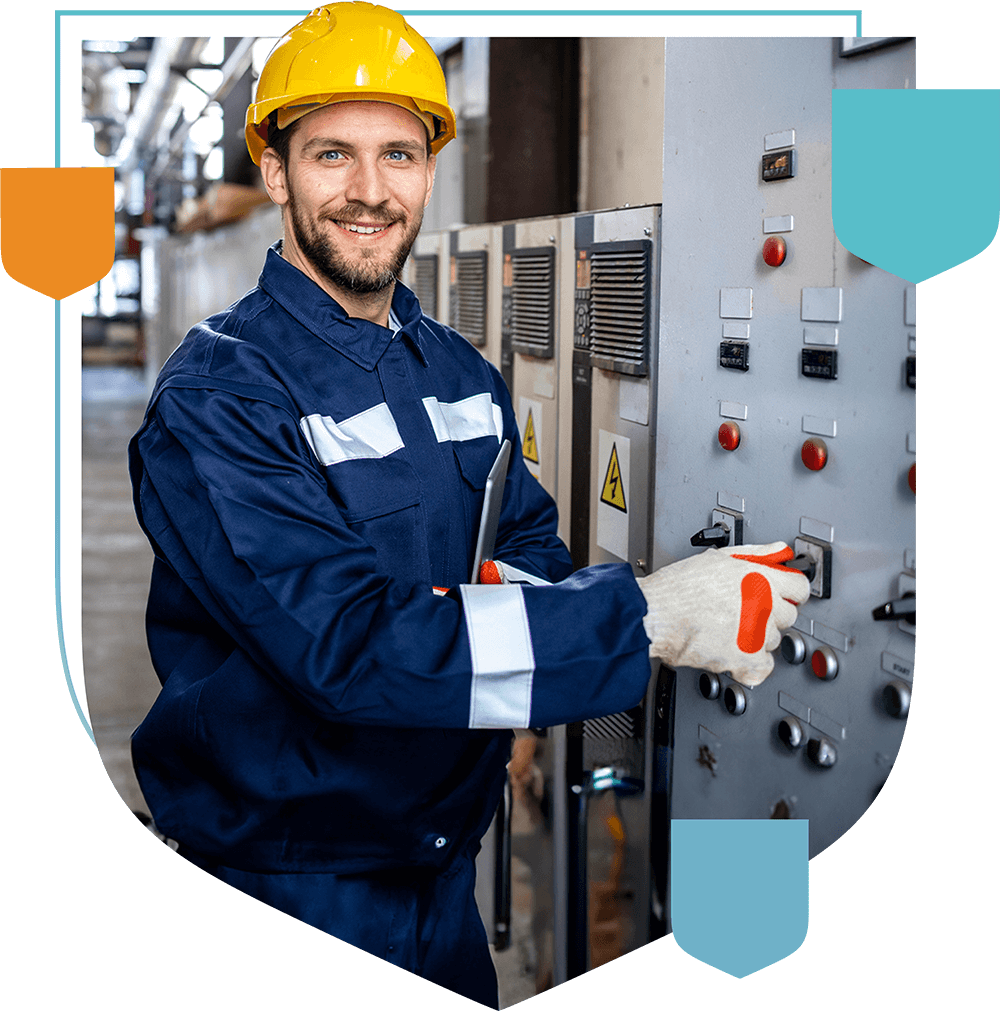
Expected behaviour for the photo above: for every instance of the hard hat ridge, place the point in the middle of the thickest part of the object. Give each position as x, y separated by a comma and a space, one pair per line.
347, 52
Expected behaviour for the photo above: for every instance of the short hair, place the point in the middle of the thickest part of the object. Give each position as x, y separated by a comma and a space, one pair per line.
280, 140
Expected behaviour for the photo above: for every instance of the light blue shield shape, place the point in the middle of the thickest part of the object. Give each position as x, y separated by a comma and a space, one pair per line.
739, 891
916, 177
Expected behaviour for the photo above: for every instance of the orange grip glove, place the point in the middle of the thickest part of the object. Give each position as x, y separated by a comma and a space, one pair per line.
724, 609
491, 573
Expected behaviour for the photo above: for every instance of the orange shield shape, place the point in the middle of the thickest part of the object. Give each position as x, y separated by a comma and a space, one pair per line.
57, 227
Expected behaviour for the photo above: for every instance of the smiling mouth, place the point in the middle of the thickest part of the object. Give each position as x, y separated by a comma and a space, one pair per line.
349, 226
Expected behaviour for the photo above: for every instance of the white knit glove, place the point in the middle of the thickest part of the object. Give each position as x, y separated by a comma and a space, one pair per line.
723, 610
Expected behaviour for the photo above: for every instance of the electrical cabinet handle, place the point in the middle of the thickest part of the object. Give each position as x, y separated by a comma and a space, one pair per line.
598, 781
609, 778
501, 873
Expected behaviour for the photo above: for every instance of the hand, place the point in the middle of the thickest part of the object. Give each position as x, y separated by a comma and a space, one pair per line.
723, 610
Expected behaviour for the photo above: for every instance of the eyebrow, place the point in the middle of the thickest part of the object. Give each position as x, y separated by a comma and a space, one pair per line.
332, 142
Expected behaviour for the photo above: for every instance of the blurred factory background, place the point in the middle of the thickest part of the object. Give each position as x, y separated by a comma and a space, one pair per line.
545, 126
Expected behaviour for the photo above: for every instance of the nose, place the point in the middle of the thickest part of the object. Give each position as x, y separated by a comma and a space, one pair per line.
367, 184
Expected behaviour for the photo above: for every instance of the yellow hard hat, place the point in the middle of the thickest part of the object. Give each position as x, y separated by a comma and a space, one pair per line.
348, 52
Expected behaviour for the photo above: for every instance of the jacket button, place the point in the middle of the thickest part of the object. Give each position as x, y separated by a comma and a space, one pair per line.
440, 841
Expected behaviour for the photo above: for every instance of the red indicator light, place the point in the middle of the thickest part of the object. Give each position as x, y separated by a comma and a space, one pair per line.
814, 454
824, 663
729, 435
775, 250
911, 479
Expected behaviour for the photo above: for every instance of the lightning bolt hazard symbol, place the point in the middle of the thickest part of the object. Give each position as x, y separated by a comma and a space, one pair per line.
613, 494
529, 445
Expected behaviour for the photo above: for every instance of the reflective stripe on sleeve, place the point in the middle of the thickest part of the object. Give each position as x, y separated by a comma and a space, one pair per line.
466, 419
370, 435
503, 661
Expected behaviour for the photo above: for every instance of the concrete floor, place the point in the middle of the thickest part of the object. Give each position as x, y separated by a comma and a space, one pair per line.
120, 682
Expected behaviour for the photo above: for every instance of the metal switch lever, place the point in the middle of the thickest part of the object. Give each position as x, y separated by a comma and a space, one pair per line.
804, 564
814, 559
712, 537
904, 609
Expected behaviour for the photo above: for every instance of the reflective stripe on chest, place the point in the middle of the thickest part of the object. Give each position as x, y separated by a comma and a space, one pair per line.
373, 434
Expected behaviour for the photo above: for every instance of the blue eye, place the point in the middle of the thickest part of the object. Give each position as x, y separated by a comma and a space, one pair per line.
397, 155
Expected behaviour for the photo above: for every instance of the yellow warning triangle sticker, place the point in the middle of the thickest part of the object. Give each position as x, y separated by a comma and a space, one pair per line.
613, 493
529, 447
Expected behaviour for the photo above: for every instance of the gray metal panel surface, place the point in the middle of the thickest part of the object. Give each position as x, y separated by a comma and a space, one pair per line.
716, 287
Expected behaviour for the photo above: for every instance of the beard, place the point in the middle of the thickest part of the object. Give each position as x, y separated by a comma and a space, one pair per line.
373, 271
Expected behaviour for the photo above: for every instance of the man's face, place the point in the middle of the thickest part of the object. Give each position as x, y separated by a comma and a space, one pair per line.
355, 187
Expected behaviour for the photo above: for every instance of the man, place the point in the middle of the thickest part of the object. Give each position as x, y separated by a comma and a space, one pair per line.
332, 734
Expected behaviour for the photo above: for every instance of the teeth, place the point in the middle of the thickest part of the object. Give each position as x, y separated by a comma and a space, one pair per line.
363, 229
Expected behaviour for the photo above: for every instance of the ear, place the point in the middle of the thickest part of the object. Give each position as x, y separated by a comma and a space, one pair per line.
272, 171
431, 167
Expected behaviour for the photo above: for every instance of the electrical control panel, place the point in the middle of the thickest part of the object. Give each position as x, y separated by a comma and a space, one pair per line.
785, 412
721, 392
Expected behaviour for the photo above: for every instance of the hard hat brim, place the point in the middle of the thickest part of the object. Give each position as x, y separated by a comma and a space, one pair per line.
258, 113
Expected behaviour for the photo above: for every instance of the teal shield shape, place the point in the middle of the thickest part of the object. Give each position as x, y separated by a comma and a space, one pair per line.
916, 176
739, 891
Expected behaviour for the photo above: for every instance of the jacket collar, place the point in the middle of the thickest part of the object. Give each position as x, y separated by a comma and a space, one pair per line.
357, 339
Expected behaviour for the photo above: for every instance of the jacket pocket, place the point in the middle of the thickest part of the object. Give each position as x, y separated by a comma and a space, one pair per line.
475, 460
380, 501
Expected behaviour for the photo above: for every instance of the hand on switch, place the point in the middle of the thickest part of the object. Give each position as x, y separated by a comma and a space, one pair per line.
723, 609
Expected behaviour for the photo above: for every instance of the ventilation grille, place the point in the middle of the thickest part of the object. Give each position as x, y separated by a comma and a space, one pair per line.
619, 309
532, 318
468, 296
425, 283
627, 724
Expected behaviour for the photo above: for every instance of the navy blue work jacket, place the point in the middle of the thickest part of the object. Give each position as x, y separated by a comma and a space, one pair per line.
305, 480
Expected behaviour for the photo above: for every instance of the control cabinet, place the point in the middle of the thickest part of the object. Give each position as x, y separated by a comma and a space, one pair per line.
536, 341
717, 369
609, 760
577, 298
785, 412
425, 273
475, 268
